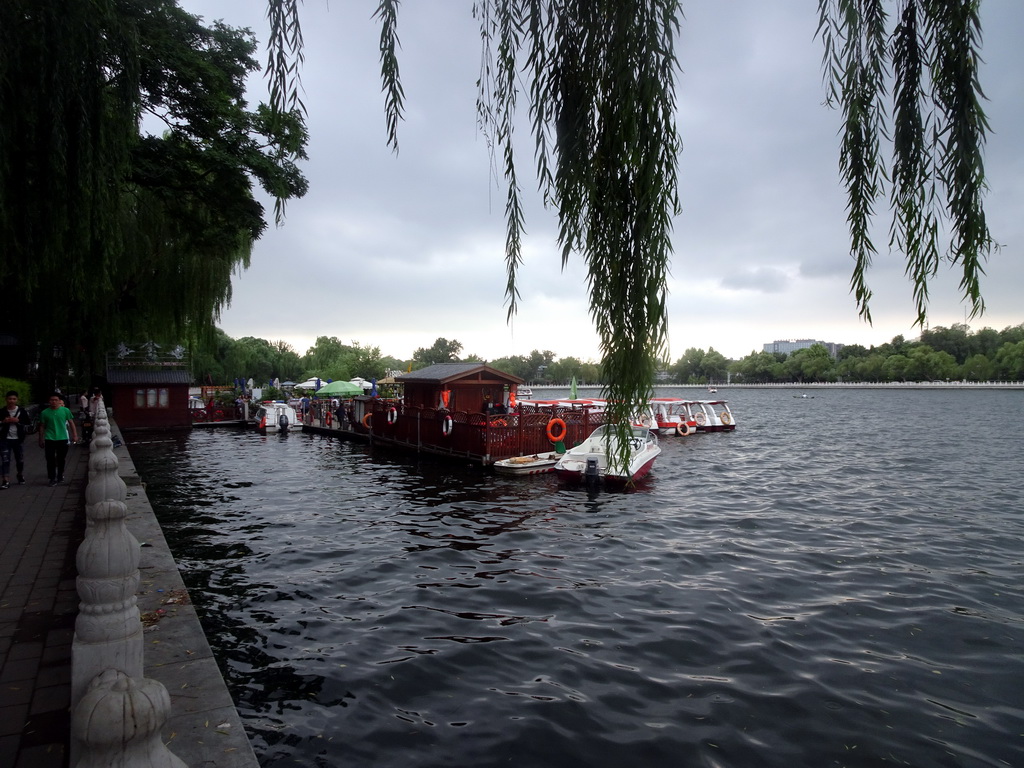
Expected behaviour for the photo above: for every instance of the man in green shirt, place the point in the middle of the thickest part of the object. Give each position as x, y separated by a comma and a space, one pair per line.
54, 423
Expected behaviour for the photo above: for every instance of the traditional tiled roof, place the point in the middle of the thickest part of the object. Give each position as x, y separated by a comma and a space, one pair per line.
443, 373
151, 377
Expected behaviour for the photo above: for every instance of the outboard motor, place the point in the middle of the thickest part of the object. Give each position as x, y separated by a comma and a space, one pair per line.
282, 422
592, 474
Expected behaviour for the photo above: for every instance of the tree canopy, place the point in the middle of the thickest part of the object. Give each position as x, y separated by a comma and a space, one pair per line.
108, 231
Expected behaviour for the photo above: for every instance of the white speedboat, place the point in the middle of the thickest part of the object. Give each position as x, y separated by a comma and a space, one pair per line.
591, 462
537, 464
276, 417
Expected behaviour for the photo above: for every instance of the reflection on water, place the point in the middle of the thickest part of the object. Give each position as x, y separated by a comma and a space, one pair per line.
835, 583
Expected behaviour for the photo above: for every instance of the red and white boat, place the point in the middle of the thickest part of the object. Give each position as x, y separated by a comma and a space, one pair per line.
712, 416
591, 460
685, 417
673, 416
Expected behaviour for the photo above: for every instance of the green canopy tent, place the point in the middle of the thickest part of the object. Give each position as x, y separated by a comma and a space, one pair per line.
339, 389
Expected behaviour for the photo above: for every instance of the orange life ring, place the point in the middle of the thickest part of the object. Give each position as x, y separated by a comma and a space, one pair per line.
499, 423
726, 417
551, 428
392, 415
366, 420
682, 429
446, 426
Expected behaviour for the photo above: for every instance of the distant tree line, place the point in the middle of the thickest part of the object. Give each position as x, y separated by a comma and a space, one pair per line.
220, 359
941, 354
954, 354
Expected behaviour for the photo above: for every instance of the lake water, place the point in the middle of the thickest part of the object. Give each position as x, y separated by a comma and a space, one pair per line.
836, 583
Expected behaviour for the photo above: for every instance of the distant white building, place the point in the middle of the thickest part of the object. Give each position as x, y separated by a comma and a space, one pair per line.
789, 346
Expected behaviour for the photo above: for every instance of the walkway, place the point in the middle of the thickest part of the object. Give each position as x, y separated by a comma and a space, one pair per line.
40, 530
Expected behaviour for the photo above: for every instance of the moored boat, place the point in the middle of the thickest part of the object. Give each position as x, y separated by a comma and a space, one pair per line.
673, 416
713, 416
591, 460
537, 464
275, 417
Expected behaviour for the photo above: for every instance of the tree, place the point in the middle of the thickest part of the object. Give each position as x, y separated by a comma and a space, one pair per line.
760, 367
896, 367
977, 368
954, 340
689, 368
442, 351
716, 367
326, 352
1009, 362
517, 365
851, 351
108, 232
562, 370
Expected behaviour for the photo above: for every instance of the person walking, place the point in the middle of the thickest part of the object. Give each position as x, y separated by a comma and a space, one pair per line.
90, 414
54, 424
12, 434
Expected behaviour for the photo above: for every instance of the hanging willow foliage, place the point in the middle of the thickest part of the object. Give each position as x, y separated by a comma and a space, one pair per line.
602, 101
917, 85
600, 80
601, 87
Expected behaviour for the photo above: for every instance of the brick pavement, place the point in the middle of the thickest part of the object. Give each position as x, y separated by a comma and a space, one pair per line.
40, 530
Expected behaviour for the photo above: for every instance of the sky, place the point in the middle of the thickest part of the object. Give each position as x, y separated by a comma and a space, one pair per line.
396, 251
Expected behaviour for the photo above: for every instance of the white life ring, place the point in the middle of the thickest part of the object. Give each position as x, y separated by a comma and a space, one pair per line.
392, 415
446, 426
682, 429
700, 418
726, 417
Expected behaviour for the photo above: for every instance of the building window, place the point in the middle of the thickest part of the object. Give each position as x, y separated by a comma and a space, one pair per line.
152, 398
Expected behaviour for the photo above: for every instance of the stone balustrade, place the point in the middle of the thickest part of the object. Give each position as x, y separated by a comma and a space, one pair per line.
117, 714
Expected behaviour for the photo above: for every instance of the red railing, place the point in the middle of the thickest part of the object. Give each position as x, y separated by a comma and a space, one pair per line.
478, 436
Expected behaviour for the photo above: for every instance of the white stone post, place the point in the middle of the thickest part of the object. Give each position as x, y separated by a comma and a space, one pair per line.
116, 714
119, 720
108, 631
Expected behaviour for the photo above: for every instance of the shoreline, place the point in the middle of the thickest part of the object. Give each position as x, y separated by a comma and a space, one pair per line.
967, 385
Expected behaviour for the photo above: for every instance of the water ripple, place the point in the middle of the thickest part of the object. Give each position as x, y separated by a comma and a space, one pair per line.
835, 583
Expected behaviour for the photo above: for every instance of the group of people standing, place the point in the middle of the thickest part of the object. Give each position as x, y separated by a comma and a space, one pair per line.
56, 431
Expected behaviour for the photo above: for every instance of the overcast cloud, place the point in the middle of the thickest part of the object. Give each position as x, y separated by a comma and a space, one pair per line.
396, 251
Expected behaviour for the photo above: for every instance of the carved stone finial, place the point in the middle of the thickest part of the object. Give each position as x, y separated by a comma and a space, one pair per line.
118, 723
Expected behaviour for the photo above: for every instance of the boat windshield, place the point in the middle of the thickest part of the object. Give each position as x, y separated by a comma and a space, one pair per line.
605, 431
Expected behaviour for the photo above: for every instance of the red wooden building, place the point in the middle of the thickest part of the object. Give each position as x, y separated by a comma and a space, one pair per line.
470, 387
149, 397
